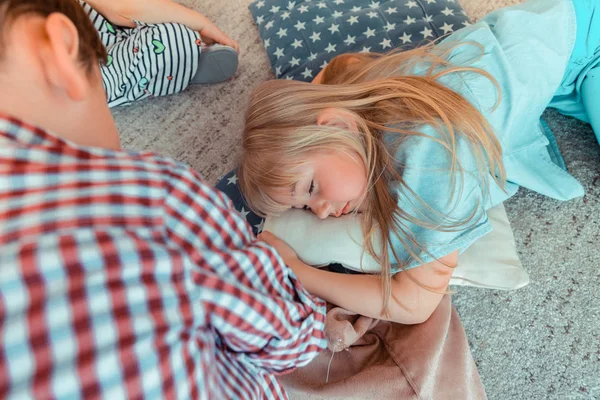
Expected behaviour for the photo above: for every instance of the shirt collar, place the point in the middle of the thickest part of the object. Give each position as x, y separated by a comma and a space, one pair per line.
15, 129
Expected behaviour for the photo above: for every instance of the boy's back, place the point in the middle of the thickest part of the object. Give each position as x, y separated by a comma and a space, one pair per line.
122, 274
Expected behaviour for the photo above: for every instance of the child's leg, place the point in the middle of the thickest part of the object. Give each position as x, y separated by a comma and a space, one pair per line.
153, 60
157, 60
590, 96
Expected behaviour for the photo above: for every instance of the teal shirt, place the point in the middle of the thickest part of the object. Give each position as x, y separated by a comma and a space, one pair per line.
527, 49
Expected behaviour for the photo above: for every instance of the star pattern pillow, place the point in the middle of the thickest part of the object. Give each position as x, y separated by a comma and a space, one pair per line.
302, 36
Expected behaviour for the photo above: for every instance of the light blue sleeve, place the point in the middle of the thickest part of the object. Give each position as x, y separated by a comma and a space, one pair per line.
428, 195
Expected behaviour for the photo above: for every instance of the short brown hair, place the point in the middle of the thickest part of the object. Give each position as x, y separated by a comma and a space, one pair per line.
91, 49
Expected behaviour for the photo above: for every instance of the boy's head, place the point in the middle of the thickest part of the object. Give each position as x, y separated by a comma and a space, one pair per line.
91, 50
49, 70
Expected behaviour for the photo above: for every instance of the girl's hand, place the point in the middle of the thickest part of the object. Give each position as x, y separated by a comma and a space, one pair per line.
211, 34
285, 251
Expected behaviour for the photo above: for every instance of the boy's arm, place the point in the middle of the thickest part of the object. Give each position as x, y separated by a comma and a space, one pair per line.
122, 12
409, 304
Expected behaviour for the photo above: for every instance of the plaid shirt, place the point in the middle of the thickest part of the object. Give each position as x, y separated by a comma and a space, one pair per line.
124, 275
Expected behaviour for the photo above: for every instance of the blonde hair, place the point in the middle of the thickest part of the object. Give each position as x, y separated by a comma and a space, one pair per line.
379, 94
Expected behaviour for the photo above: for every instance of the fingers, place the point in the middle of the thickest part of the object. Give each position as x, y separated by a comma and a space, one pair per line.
266, 236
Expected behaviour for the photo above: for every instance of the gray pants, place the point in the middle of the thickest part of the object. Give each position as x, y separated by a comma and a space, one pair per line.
146, 61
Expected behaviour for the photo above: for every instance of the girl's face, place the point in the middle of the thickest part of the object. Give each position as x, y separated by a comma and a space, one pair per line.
330, 184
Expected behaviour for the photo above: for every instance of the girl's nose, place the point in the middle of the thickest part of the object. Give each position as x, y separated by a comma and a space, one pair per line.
323, 210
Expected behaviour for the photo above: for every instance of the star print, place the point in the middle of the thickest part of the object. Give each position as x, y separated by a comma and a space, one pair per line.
294, 61
244, 213
319, 20
374, 4
282, 32
411, 4
337, 14
278, 53
321, 5
447, 12
300, 25
274, 9
285, 15
410, 20
447, 28
291, 4
350, 40
426, 33
303, 9
430, 1
232, 180
260, 4
355, 9
277, 71
269, 25
260, 227
260, 19
325, 63
405, 38
288, 78
466, 23
330, 48
353, 20
297, 43
386, 43
307, 73
372, 14
428, 18
312, 57
333, 28
365, 49
315, 36
267, 43
391, 10
390, 27
369, 32
338, 2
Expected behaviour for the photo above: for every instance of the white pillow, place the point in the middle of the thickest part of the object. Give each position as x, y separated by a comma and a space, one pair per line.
491, 262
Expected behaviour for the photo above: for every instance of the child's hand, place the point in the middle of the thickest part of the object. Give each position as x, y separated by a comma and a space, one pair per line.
285, 251
123, 12
211, 34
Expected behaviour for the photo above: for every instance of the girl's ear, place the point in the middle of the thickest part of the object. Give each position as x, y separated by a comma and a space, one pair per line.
337, 117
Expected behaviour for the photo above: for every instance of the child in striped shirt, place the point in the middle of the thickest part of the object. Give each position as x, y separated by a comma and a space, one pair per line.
158, 47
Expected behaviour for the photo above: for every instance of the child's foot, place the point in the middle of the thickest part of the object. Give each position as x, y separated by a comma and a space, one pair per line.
217, 64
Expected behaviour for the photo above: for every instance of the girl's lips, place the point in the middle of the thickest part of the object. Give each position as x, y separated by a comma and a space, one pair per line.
346, 208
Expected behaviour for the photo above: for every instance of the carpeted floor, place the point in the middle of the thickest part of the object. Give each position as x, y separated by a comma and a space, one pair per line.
540, 342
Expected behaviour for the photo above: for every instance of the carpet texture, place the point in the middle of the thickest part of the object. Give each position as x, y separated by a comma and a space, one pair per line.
540, 342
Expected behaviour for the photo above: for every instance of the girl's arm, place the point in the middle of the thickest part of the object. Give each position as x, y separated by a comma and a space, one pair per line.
362, 294
122, 12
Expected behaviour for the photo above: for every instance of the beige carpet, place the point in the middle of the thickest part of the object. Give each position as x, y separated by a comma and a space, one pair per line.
541, 342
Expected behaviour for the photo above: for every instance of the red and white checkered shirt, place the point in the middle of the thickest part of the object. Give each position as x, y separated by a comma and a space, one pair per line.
124, 275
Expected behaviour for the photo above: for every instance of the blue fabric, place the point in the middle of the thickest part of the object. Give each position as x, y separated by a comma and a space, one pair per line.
301, 36
527, 49
585, 57
433, 198
589, 96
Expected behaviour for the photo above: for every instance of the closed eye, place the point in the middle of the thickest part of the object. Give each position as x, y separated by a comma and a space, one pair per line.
312, 188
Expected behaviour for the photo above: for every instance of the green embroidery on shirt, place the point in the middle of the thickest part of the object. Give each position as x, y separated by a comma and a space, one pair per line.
159, 47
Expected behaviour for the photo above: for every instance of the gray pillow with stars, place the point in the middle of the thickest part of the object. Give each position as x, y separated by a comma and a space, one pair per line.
302, 36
